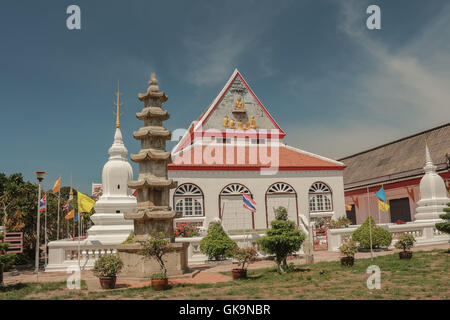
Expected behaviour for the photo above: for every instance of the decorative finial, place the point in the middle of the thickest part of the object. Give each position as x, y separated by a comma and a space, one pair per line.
429, 166
153, 83
71, 191
118, 104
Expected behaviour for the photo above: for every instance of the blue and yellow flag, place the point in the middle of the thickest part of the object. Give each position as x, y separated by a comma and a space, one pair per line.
383, 206
85, 203
381, 195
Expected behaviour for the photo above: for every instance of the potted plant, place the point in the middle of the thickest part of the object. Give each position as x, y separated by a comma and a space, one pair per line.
157, 247
348, 250
245, 256
405, 242
106, 269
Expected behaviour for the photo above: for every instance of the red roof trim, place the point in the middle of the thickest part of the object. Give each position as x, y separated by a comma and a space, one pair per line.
236, 134
388, 186
249, 168
262, 106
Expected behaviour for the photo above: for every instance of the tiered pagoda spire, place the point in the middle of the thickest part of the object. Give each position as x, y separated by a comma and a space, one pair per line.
153, 213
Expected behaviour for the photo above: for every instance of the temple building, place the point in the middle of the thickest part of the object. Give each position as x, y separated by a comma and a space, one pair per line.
399, 167
236, 147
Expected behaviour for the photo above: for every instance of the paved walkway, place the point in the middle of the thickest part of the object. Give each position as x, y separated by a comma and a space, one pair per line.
199, 273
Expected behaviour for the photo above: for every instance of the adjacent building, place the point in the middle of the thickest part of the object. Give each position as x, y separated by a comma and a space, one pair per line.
237, 147
397, 166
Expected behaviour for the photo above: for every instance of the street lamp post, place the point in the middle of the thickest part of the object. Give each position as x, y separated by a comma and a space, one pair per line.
40, 176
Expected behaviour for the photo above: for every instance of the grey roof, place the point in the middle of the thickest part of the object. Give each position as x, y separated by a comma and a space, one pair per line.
398, 159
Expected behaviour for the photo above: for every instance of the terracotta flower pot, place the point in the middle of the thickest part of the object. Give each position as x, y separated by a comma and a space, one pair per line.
347, 261
239, 273
160, 284
108, 282
405, 254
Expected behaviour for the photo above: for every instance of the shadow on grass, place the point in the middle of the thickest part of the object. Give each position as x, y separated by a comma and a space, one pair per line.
13, 287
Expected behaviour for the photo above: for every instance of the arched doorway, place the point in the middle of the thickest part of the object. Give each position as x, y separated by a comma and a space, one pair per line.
231, 211
284, 195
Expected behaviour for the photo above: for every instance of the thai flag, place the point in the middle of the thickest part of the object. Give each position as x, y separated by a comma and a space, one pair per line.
78, 215
65, 206
249, 203
43, 204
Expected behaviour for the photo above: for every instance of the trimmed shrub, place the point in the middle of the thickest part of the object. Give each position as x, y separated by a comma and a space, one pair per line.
6, 259
282, 239
444, 226
217, 244
380, 236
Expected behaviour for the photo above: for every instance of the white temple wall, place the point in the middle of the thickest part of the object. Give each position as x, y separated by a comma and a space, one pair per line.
212, 183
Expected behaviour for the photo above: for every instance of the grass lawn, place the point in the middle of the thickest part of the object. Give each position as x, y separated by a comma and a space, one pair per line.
425, 276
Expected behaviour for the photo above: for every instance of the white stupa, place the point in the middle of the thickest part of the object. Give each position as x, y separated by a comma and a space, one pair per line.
110, 227
433, 193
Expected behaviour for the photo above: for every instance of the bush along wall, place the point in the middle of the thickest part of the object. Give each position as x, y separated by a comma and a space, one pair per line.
217, 244
380, 237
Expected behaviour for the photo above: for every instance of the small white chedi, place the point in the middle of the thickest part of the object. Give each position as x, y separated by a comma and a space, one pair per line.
110, 227
433, 193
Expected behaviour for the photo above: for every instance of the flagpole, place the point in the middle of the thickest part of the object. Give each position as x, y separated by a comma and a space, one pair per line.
59, 204
45, 228
79, 264
379, 218
370, 224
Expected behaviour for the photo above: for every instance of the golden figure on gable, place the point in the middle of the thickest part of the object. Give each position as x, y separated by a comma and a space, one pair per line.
239, 105
232, 123
252, 122
225, 122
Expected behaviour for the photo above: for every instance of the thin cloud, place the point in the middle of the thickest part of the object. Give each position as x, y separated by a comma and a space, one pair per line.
401, 92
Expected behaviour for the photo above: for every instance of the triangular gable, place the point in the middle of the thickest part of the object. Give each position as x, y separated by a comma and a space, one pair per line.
223, 105
212, 119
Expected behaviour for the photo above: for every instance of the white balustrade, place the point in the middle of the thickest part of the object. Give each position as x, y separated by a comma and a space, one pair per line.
425, 233
64, 253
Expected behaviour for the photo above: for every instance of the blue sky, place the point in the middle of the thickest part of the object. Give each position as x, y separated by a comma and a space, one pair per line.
334, 86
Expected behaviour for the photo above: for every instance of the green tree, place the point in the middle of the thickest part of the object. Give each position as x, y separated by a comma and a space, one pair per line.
444, 226
380, 237
282, 239
217, 244
18, 211
5, 258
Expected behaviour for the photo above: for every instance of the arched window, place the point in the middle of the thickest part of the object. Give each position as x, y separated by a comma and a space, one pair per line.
188, 200
281, 194
320, 198
231, 211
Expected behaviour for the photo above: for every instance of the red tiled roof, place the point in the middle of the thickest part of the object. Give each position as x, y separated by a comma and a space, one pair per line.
214, 157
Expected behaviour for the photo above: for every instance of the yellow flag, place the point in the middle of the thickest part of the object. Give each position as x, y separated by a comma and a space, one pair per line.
383, 206
57, 186
70, 215
85, 203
